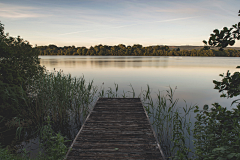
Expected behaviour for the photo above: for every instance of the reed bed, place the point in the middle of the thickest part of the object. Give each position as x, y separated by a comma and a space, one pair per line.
171, 123
66, 101
60, 97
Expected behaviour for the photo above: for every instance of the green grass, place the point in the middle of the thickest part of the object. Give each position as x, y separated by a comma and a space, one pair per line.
62, 99
55, 96
56, 102
52, 144
171, 123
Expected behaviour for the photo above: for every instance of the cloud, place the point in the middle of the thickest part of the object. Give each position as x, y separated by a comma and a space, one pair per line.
176, 19
122, 26
11, 14
79, 31
13, 11
183, 10
225, 10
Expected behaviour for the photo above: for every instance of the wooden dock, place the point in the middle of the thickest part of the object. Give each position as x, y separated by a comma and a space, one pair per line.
116, 128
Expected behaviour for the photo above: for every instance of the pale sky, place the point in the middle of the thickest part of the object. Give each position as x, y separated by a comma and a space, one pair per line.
112, 22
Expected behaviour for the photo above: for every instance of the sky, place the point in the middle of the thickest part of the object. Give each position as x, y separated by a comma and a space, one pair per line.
112, 22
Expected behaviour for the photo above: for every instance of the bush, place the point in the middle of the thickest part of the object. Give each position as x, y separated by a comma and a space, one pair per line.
217, 129
217, 133
52, 143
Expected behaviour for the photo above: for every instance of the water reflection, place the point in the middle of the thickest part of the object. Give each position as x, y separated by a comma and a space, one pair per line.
105, 62
192, 75
138, 62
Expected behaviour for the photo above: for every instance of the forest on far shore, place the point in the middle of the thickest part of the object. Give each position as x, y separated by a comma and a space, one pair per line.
135, 50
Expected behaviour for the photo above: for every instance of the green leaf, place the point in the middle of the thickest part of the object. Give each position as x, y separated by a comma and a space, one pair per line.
231, 155
225, 29
235, 25
232, 42
216, 31
215, 82
196, 110
223, 95
238, 155
205, 42
235, 101
210, 42
216, 87
218, 149
213, 37
205, 107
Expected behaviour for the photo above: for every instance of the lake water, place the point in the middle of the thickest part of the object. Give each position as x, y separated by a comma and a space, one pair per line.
192, 76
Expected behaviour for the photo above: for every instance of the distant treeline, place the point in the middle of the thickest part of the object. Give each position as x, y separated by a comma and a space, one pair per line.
135, 50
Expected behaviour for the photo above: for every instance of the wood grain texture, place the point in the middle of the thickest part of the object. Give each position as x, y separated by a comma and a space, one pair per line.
117, 128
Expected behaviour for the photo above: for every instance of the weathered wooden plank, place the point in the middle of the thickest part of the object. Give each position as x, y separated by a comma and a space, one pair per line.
117, 128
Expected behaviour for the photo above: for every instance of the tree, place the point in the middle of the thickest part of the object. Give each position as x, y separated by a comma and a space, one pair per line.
225, 37
79, 51
19, 69
230, 84
19, 62
216, 130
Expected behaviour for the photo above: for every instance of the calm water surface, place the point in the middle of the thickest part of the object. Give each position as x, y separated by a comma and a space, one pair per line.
192, 76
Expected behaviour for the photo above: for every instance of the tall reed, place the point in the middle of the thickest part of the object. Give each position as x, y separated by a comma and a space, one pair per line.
171, 123
67, 101
61, 97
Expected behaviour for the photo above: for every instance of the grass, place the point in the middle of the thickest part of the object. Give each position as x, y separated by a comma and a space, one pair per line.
66, 101
171, 123
61, 97
52, 144
56, 105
